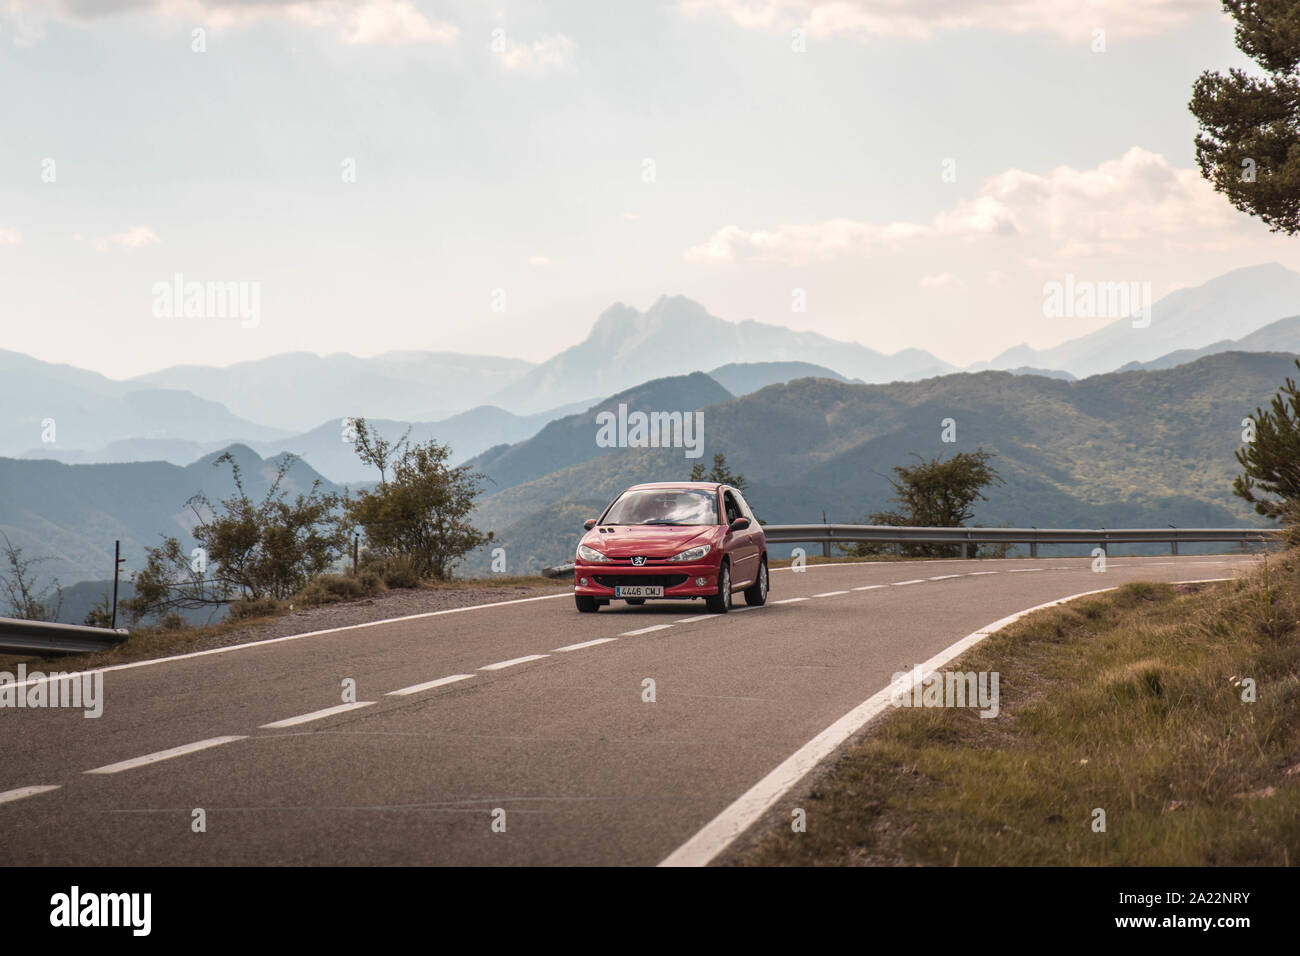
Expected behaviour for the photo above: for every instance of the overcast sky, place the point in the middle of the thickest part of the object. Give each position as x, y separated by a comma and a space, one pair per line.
577, 154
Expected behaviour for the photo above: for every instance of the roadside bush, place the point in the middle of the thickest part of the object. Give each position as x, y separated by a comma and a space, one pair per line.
400, 572
253, 607
332, 588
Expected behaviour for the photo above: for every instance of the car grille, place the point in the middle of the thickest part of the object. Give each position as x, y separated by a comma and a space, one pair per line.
644, 580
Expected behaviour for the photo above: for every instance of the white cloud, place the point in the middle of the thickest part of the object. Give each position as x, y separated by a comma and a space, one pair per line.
1138, 202
943, 280
553, 52
864, 20
137, 237
354, 22
10, 237
372, 22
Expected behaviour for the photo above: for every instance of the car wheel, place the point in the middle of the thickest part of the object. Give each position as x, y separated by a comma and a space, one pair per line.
720, 603
635, 602
587, 605
756, 593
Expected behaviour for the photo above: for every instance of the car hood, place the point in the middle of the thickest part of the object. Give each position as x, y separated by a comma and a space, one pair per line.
652, 541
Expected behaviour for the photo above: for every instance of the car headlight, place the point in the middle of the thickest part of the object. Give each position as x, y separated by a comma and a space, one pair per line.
692, 554
591, 554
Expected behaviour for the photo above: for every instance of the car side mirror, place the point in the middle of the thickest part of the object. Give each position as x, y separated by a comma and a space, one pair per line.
740, 524
589, 523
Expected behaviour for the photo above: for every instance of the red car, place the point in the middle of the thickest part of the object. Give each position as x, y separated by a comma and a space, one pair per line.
672, 541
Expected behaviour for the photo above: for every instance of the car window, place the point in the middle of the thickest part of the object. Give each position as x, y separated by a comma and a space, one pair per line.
689, 506
733, 509
745, 509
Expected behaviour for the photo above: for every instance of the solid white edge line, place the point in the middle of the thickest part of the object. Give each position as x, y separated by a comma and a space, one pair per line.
428, 685
9, 796
789, 600
944, 577
871, 587
291, 637
161, 755
584, 644
316, 715
830, 593
513, 661
899, 584
723, 829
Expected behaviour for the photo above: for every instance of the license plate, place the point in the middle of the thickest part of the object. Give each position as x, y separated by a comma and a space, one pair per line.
638, 591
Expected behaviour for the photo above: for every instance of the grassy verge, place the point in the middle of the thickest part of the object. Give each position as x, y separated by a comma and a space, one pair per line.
1131, 702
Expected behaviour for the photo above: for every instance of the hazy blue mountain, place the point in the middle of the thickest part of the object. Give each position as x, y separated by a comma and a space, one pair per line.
1048, 372
469, 433
1225, 308
572, 439
299, 390
1280, 336
741, 378
674, 336
89, 410
71, 514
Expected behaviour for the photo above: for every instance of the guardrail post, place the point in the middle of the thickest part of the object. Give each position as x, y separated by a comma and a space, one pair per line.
963, 550
826, 549
1033, 549
1173, 548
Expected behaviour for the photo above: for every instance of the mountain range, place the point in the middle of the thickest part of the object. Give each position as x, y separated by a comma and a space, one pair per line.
1232, 305
1136, 448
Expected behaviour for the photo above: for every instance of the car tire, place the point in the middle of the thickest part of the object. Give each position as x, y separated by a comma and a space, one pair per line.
756, 593
585, 604
720, 603
635, 602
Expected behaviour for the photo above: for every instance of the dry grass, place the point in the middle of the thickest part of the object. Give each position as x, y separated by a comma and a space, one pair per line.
1130, 702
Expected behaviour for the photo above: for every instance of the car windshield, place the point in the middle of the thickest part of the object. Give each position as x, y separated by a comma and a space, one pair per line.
664, 506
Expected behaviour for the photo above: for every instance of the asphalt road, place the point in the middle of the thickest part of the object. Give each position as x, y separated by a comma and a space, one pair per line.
584, 769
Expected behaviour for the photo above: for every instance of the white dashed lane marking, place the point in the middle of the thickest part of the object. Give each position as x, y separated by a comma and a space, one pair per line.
316, 715
513, 661
830, 593
790, 600
645, 630
584, 644
9, 796
165, 755
913, 581
428, 685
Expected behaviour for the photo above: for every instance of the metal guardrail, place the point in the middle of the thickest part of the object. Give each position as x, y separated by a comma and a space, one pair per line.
44, 637
829, 534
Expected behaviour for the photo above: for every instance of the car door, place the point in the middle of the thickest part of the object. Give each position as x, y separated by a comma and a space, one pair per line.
740, 544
